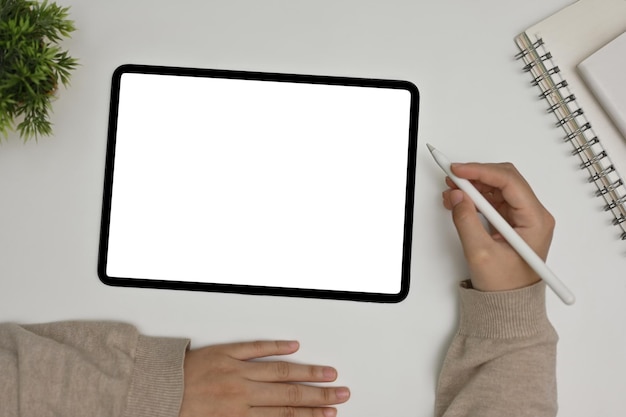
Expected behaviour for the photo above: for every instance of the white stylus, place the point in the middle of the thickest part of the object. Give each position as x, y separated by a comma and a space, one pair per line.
501, 225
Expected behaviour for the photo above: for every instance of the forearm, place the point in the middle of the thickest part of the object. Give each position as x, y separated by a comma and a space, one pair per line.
502, 361
86, 368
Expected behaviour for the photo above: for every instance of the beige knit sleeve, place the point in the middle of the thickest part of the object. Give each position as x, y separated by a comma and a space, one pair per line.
88, 368
502, 361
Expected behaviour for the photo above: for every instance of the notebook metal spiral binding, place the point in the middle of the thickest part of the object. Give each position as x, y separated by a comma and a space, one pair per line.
579, 132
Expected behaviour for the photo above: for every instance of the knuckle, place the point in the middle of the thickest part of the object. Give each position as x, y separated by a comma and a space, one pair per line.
479, 257
258, 347
510, 170
282, 369
550, 221
277, 346
294, 393
509, 166
287, 412
328, 395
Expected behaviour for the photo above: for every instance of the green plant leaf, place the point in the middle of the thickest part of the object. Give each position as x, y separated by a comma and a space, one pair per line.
32, 64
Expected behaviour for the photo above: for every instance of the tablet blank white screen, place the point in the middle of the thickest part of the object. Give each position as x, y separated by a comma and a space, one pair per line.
259, 183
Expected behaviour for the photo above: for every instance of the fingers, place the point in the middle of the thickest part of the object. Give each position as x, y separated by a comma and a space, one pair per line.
474, 238
297, 395
269, 381
292, 412
276, 371
492, 194
505, 188
503, 177
259, 349
281, 371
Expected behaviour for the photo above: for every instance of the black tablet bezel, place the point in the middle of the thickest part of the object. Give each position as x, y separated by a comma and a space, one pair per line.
250, 289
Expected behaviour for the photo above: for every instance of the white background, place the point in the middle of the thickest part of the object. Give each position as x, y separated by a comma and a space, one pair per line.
259, 183
476, 104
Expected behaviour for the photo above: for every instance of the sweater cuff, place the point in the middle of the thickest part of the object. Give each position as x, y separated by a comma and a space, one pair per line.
503, 314
157, 384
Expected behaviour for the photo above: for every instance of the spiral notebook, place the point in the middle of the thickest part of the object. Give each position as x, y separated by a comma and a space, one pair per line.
605, 74
551, 51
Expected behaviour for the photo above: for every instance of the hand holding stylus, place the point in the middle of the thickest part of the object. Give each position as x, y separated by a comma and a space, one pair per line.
512, 255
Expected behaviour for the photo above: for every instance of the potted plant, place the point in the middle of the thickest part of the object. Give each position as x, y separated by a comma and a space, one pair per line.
32, 64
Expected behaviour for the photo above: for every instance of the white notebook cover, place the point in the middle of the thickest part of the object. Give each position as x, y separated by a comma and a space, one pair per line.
605, 74
573, 34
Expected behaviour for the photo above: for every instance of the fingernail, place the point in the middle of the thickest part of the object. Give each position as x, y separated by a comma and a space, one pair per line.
343, 393
329, 412
293, 344
329, 373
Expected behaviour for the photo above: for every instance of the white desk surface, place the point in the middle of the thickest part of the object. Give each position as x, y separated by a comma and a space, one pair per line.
476, 104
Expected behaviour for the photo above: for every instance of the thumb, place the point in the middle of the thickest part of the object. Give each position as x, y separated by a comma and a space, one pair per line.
471, 231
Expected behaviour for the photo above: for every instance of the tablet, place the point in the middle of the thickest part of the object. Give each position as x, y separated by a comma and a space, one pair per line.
259, 183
